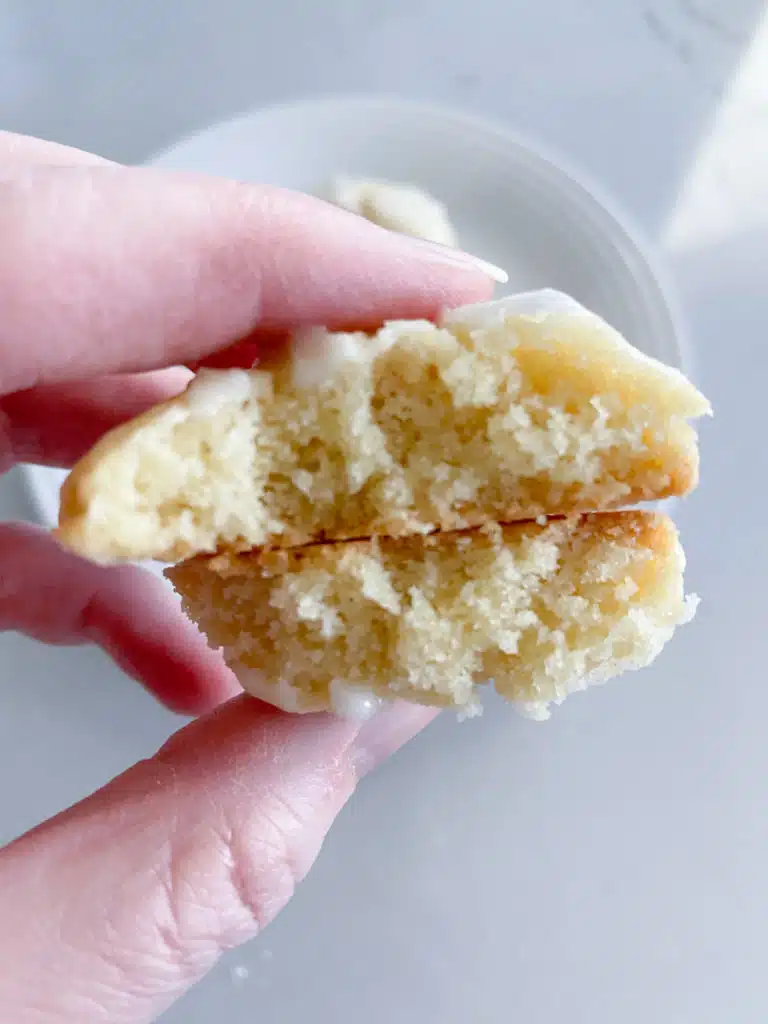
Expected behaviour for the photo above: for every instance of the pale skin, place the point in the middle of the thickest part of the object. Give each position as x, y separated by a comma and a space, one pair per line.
110, 280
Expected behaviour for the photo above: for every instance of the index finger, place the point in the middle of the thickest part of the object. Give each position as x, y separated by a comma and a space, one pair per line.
17, 151
108, 269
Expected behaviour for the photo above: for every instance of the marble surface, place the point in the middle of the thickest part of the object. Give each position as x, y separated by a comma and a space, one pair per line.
648, 901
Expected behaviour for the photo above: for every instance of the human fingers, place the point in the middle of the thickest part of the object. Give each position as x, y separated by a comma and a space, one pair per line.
112, 270
19, 151
115, 907
52, 595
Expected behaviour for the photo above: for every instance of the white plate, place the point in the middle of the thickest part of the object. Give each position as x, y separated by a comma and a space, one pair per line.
510, 204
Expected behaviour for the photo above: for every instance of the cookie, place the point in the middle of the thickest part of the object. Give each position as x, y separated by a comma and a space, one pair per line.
534, 610
505, 411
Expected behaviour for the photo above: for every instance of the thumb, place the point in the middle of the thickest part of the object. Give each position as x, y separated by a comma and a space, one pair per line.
116, 906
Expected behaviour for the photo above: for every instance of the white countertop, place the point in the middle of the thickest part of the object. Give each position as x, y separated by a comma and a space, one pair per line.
648, 901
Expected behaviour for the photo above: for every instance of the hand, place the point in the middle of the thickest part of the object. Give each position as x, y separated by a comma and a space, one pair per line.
111, 280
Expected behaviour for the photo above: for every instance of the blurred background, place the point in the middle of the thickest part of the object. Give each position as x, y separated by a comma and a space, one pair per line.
629, 89
664, 103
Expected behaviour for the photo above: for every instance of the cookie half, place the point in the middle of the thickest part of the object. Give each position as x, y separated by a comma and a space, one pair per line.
537, 611
506, 411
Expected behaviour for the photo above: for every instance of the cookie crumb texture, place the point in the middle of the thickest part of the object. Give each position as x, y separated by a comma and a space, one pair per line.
538, 611
498, 415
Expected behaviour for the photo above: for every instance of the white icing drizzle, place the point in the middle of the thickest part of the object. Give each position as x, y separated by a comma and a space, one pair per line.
540, 303
212, 390
354, 703
278, 693
318, 355
546, 302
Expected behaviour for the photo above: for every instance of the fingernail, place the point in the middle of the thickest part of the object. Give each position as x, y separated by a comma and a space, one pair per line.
386, 732
458, 258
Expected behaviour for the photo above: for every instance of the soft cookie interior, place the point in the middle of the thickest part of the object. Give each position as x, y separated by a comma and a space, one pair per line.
534, 610
507, 411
